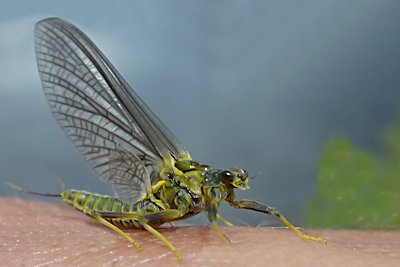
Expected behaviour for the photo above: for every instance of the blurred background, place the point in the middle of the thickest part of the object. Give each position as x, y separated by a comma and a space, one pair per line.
261, 85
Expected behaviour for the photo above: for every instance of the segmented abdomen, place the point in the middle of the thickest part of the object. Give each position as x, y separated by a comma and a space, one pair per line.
89, 203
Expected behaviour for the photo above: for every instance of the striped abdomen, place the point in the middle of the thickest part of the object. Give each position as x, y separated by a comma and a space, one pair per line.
89, 203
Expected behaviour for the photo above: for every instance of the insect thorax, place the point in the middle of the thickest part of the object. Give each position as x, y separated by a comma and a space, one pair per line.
198, 180
207, 182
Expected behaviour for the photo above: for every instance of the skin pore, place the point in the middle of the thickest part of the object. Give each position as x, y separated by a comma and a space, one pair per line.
37, 233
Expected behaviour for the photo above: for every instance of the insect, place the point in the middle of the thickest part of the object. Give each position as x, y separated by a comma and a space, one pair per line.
152, 174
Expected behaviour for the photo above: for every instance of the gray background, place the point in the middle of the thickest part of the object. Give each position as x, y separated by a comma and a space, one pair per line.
260, 85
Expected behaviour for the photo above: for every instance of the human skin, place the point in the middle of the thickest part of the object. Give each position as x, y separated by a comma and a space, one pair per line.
36, 233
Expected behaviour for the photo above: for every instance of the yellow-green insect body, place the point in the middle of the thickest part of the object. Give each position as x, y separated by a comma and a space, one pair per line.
154, 178
189, 193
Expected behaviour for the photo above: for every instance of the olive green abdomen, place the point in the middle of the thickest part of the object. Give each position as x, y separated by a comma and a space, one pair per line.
92, 204
89, 203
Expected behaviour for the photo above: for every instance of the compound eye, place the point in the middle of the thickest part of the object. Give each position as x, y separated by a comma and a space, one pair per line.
227, 174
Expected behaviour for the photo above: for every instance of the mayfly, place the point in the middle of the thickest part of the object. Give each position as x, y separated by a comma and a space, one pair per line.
154, 178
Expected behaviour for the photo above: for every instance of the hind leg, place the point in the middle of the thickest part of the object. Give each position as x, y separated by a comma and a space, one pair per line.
104, 222
145, 221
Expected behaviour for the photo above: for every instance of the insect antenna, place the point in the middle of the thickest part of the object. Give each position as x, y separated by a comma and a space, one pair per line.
23, 190
255, 175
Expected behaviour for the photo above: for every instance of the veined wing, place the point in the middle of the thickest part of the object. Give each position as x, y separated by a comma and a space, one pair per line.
122, 139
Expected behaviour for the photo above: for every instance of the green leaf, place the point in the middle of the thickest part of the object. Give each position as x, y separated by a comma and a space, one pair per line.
356, 189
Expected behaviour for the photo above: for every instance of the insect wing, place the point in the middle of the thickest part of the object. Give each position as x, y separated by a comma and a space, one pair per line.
121, 138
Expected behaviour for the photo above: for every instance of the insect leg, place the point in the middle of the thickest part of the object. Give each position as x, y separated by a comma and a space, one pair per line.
212, 217
252, 205
163, 239
144, 220
223, 220
151, 217
101, 220
157, 186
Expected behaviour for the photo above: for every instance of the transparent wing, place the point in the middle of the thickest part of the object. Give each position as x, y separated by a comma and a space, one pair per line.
128, 172
121, 138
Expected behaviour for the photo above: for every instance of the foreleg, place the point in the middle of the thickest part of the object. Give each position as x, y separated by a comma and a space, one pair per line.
252, 205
